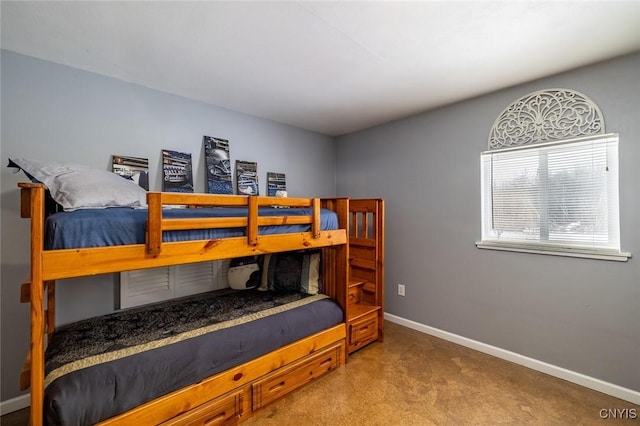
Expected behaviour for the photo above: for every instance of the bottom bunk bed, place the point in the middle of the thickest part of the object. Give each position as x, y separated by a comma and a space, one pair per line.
205, 359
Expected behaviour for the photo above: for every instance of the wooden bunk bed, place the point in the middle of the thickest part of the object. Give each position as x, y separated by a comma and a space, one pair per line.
355, 283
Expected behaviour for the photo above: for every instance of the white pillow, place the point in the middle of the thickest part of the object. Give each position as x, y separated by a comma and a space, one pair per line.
76, 186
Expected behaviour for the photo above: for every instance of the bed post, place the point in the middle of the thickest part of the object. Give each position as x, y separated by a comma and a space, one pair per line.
380, 267
252, 218
335, 258
315, 224
36, 212
154, 223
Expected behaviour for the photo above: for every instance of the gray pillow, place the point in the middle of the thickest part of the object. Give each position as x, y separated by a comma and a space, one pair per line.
76, 186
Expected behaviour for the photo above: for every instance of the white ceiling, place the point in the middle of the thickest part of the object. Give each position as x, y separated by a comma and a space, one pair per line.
329, 67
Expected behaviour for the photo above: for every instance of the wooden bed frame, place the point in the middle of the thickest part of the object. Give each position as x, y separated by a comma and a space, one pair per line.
232, 395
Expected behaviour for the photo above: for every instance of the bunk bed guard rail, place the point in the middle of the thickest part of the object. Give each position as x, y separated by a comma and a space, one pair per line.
157, 224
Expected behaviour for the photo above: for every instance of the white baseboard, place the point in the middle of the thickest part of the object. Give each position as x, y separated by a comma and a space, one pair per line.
552, 370
14, 404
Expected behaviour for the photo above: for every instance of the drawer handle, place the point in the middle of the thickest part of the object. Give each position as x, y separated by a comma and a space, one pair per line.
216, 419
277, 387
328, 360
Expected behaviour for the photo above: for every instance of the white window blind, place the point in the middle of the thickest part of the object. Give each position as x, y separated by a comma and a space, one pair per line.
558, 195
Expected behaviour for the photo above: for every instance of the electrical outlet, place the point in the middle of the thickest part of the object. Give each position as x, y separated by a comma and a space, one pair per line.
401, 289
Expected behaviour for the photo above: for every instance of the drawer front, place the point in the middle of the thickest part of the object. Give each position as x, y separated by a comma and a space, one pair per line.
363, 331
291, 377
225, 410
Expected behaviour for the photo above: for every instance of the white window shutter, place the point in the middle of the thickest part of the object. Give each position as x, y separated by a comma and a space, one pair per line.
144, 286
193, 278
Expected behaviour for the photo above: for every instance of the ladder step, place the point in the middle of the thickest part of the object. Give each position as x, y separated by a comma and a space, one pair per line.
369, 287
356, 283
364, 264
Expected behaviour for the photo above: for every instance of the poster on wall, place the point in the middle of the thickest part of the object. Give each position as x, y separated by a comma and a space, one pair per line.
247, 177
176, 171
276, 184
217, 165
133, 168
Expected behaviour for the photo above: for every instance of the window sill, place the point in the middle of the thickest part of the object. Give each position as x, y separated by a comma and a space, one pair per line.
568, 252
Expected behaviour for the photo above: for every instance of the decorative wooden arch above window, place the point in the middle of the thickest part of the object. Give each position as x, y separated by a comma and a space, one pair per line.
550, 179
545, 116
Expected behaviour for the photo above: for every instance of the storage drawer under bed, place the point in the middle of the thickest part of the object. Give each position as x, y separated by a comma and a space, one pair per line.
363, 331
291, 377
234, 406
224, 410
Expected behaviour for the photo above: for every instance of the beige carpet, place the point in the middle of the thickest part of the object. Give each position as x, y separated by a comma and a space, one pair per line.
416, 379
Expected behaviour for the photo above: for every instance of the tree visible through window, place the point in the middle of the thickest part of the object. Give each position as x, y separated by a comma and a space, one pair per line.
557, 193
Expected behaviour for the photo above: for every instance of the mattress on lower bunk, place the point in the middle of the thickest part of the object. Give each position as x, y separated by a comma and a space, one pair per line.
122, 226
101, 367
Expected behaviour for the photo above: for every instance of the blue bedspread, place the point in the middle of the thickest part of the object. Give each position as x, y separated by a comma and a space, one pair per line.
122, 226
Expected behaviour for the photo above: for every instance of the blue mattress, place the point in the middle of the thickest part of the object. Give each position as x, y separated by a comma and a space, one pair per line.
98, 368
123, 226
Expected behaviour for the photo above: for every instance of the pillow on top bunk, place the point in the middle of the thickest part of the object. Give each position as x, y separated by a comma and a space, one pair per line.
76, 186
292, 271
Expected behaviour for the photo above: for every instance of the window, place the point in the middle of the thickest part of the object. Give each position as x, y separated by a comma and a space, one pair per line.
557, 197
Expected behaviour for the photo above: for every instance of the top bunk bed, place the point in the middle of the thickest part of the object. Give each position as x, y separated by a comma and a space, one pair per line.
209, 227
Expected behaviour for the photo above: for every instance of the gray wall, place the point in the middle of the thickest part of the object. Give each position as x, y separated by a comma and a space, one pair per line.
580, 314
59, 113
